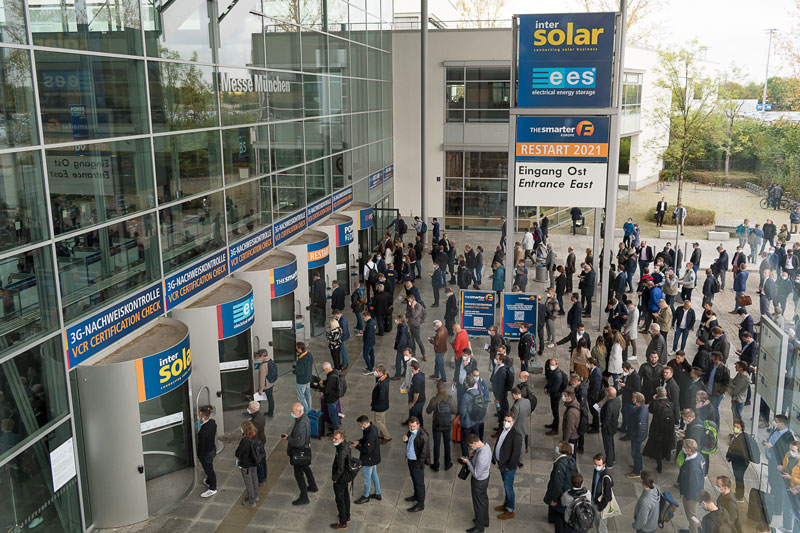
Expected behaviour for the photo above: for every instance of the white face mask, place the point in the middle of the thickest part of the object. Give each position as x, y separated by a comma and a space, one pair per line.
563, 398
557, 452
406, 359
552, 367
598, 468
507, 425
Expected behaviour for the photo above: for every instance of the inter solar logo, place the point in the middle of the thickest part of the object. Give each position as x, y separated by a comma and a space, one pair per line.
564, 78
243, 310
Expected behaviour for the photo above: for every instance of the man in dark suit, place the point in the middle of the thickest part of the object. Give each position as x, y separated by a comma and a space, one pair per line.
556, 383
630, 384
720, 266
337, 296
746, 324
574, 336
594, 392
569, 268
661, 209
207, 449
381, 303
507, 455
575, 312
749, 351
587, 289
609, 418
502, 382
720, 343
644, 254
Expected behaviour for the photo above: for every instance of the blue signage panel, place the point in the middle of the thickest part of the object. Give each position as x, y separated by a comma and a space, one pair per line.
365, 218
289, 227
318, 253
342, 198
375, 179
189, 281
162, 372
477, 311
517, 308
567, 139
344, 234
565, 60
283, 280
250, 248
235, 317
89, 336
318, 210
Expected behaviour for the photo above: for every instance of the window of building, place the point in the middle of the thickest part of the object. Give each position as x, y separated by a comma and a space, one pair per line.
286, 144
178, 30
23, 214
28, 292
186, 165
98, 182
12, 22
282, 39
475, 189
632, 93
241, 40
477, 94
288, 191
245, 153
193, 229
17, 107
106, 263
243, 96
86, 97
318, 180
182, 96
250, 209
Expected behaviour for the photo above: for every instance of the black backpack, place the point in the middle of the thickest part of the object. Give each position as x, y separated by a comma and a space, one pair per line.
479, 406
341, 386
715, 286
257, 448
272, 371
352, 465
443, 415
372, 277
402, 227
581, 517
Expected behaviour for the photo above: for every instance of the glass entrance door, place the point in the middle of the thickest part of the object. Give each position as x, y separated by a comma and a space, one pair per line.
318, 313
235, 362
166, 441
382, 216
343, 268
283, 333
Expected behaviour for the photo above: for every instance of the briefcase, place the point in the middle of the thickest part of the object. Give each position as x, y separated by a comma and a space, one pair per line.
744, 301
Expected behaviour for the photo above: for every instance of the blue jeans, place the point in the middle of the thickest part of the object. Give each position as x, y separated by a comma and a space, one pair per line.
508, 486
682, 334
479, 273
369, 356
737, 408
359, 322
736, 305
333, 414
418, 264
627, 411
444, 277
399, 365
370, 477
670, 299
261, 471
715, 401
438, 366
304, 396
344, 355
695, 268
629, 281
636, 454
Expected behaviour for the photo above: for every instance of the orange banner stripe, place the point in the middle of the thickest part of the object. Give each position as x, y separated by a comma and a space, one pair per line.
562, 149
140, 380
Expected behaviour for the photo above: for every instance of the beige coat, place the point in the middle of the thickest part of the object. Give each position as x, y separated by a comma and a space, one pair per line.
263, 383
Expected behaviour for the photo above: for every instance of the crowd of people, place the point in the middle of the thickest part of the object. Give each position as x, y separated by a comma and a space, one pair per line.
663, 406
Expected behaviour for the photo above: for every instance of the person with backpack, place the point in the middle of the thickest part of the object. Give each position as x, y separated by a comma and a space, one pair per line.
472, 410
341, 477
370, 449
526, 345
507, 455
710, 287
646, 512
558, 483
690, 481
267, 376
579, 514
417, 450
258, 420
442, 407
742, 451
716, 519
358, 302
247, 459
661, 440
602, 492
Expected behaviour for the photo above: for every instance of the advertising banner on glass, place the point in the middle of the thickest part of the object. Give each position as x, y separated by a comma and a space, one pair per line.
517, 308
250, 248
365, 218
561, 157
162, 372
188, 282
318, 210
477, 311
288, 227
235, 317
342, 198
565, 60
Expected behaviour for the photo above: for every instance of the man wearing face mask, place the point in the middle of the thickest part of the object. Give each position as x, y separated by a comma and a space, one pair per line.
690, 481
630, 384
725, 500
369, 447
560, 482
502, 383
380, 403
471, 412
783, 289
479, 466
339, 478
716, 519
601, 491
556, 384
507, 454
298, 442
417, 455
464, 368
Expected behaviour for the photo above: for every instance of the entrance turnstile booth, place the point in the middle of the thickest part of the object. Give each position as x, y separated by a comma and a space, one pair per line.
341, 234
312, 249
220, 323
362, 217
137, 424
274, 280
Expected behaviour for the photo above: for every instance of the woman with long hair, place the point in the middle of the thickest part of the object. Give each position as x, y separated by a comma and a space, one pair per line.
334, 336
615, 356
580, 359
247, 461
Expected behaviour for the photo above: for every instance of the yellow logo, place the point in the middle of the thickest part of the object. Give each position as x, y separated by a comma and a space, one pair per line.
584, 128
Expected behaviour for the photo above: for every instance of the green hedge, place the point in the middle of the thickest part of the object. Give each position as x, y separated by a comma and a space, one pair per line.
694, 217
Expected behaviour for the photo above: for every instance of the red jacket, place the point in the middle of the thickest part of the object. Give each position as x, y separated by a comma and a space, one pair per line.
460, 342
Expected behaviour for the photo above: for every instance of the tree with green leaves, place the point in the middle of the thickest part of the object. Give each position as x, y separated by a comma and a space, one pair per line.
730, 106
686, 107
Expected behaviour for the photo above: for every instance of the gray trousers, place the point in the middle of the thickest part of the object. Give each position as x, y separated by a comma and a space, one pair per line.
480, 502
415, 336
550, 324
250, 475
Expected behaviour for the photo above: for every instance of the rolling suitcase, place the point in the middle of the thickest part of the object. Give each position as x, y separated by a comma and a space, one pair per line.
317, 423
757, 507
457, 429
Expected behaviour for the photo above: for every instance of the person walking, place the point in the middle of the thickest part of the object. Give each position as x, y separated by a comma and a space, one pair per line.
258, 420
415, 313
247, 461
264, 385
417, 456
340, 478
646, 512
479, 465
303, 365
299, 451
207, 449
559, 482
661, 209
662, 429
602, 491
609, 417
690, 481
369, 448
507, 455
380, 403
442, 407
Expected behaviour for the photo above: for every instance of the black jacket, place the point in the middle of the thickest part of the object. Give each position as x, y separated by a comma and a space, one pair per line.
331, 388
318, 292
370, 447
381, 303
525, 345
633, 383
501, 379
510, 451
207, 439
340, 461
422, 448
574, 315
259, 422
380, 394
245, 454
604, 493
450, 309
337, 298
678, 316
555, 380
609, 416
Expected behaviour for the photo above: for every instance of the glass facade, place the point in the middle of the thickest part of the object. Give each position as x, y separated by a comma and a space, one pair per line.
137, 138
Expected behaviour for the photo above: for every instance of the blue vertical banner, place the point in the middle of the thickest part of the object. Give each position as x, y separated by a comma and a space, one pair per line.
477, 311
344, 234
365, 218
236, 316
565, 60
162, 372
318, 253
517, 308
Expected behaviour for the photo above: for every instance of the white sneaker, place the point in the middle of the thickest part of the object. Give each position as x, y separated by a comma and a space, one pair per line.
209, 493
551, 345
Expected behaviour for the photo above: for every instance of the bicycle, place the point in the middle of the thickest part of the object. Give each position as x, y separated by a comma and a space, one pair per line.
768, 203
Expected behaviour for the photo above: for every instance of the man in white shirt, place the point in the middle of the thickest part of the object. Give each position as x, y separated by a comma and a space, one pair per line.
479, 482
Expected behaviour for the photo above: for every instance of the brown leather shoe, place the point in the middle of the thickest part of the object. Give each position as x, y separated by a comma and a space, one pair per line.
505, 516
337, 525
553, 432
424, 357
500, 508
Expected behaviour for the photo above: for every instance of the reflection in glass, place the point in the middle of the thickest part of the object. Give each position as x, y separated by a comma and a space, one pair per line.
315, 95
286, 144
191, 230
105, 264
12, 24
339, 132
342, 174
340, 95
166, 449
186, 165
282, 41
94, 25
250, 209
484, 204
245, 153
86, 97
98, 182
241, 40
338, 55
17, 107
360, 163
358, 23
34, 393
288, 192
286, 105
486, 165
243, 96
178, 29
26, 490
237, 385
181, 96
28, 292
23, 216
318, 180
315, 51
360, 129
318, 138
